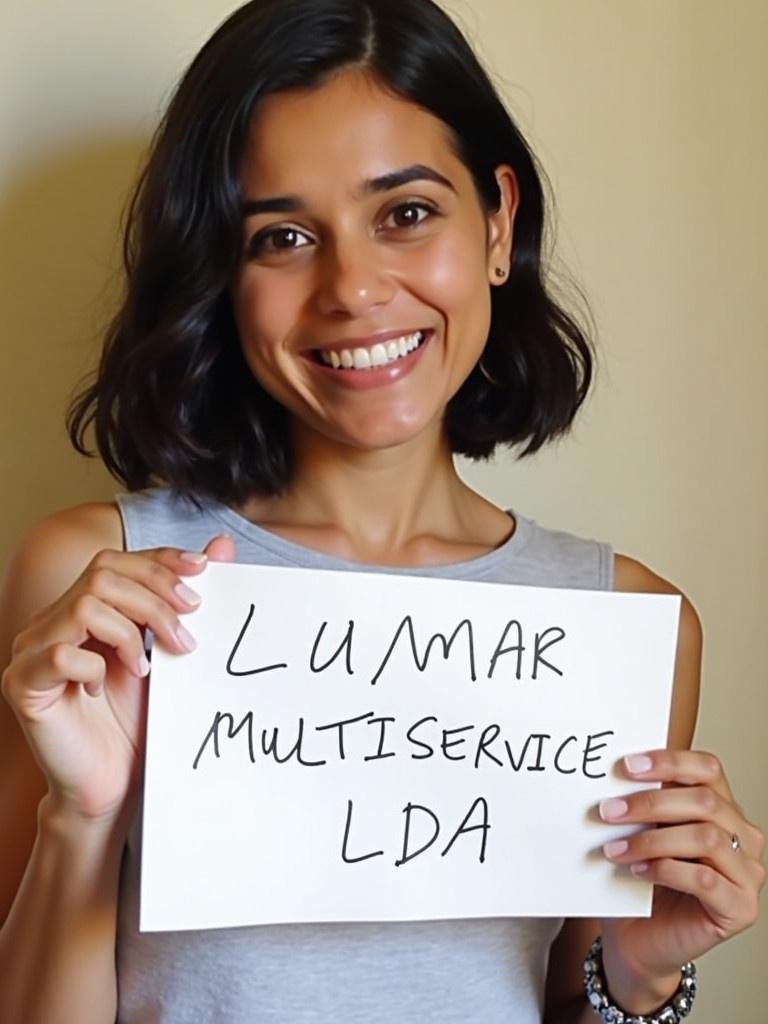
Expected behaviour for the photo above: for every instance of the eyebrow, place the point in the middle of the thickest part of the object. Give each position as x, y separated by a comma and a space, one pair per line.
372, 186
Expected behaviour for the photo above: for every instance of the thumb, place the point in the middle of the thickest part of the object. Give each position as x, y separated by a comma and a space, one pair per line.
221, 549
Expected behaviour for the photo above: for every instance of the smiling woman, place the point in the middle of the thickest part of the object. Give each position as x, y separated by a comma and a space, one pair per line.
350, 276
312, 189
334, 284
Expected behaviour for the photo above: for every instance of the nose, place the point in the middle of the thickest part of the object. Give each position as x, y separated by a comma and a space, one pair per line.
352, 279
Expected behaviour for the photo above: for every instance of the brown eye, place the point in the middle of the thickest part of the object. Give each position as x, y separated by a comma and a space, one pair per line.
408, 215
275, 240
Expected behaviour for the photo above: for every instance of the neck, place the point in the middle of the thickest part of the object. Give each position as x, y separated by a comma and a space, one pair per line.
390, 502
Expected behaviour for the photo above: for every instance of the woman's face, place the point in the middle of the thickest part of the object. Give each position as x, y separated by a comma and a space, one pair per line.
363, 237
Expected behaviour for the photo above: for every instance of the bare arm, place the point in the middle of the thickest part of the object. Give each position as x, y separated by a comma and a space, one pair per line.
71, 736
57, 946
565, 999
58, 888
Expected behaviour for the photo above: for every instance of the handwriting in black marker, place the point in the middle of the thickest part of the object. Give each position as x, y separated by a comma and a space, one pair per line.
421, 663
345, 645
250, 671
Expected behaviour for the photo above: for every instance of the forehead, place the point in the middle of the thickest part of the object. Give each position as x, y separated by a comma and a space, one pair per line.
349, 128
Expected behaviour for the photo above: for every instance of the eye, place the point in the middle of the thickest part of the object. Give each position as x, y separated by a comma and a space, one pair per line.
275, 240
408, 214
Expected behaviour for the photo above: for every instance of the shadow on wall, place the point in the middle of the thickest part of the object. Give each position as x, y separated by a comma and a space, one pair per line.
60, 277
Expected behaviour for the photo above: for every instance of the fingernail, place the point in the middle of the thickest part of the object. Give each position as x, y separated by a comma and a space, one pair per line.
615, 848
613, 808
195, 557
638, 763
186, 594
143, 666
185, 638
638, 867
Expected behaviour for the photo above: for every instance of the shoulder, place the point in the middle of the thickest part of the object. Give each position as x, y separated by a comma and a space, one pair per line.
50, 555
631, 576
93, 521
65, 537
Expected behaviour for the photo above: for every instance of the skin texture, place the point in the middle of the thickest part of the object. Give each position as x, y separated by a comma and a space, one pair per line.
348, 267
73, 608
374, 482
374, 472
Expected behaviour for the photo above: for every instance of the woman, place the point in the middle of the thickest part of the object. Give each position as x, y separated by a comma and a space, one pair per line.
333, 284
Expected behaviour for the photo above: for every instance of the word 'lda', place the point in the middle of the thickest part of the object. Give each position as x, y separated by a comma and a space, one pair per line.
479, 805
510, 642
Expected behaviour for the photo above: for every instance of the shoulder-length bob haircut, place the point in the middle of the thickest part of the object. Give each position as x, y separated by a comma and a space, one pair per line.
173, 399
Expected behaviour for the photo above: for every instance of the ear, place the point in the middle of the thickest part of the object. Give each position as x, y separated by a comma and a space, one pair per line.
501, 224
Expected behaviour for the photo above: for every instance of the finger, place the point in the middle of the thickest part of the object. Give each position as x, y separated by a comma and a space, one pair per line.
176, 559
687, 804
89, 616
221, 549
67, 619
157, 569
703, 841
37, 679
684, 767
730, 908
677, 806
139, 586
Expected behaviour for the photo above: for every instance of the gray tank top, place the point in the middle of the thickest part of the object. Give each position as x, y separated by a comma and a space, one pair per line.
412, 972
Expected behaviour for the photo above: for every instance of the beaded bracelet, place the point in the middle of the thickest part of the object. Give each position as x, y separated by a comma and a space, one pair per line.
673, 1011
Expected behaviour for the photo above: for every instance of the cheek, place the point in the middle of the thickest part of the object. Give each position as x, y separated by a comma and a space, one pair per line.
455, 283
452, 275
263, 314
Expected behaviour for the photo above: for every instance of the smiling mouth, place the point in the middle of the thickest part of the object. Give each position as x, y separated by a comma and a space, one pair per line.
373, 357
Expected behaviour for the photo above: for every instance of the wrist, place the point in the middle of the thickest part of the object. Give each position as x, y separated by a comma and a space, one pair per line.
59, 817
633, 990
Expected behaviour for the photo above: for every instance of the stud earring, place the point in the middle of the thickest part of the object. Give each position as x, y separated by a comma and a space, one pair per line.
500, 272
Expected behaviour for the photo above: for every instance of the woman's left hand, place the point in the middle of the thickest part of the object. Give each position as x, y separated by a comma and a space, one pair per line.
704, 860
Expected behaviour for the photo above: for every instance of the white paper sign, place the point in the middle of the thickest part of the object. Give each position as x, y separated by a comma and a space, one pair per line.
483, 723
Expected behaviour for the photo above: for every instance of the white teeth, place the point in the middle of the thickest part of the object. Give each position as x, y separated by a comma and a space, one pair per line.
362, 358
379, 354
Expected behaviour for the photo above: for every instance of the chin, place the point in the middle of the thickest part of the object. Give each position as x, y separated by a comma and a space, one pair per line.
382, 438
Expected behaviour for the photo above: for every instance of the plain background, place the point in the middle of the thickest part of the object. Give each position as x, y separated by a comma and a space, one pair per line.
650, 118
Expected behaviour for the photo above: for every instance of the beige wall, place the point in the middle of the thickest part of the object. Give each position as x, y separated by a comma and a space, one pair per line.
650, 117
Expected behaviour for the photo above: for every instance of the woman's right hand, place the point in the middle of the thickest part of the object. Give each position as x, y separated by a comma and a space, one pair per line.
76, 677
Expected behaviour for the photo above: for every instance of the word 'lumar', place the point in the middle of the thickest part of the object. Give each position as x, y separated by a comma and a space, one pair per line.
510, 642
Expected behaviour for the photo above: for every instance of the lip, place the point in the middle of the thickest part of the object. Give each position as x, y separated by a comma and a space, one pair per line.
367, 342
376, 376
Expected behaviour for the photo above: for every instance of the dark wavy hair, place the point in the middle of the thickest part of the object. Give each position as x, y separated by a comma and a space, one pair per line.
173, 399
